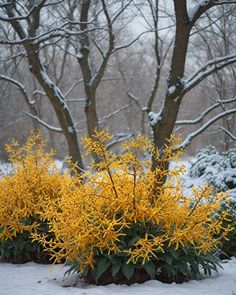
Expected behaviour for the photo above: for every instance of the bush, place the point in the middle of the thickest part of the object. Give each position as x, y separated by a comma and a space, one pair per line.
21, 249
123, 225
24, 195
215, 168
219, 169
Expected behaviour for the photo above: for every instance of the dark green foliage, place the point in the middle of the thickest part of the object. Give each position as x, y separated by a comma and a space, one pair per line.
229, 245
174, 265
21, 248
185, 263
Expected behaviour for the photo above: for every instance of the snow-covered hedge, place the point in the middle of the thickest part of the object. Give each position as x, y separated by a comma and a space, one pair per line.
218, 169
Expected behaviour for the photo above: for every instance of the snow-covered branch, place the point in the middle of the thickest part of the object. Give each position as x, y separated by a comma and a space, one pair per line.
194, 134
208, 69
20, 87
43, 123
21, 17
135, 99
206, 112
121, 138
196, 11
109, 116
233, 137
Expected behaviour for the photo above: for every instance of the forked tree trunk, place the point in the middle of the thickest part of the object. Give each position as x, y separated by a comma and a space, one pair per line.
164, 125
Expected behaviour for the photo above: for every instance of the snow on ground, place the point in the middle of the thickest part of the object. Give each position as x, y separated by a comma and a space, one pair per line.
36, 279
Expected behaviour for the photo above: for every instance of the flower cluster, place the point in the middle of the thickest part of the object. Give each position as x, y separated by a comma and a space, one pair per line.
34, 182
117, 217
113, 212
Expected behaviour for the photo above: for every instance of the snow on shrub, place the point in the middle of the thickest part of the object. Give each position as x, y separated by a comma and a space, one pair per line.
215, 168
5, 169
218, 169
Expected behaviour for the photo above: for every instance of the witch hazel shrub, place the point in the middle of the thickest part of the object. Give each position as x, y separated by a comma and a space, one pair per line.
121, 224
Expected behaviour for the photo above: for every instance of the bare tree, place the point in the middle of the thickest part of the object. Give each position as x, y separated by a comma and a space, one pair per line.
105, 41
178, 85
25, 19
84, 30
217, 40
49, 34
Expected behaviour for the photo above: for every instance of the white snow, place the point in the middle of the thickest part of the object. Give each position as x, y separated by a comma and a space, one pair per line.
36, 279
71, 129
154, 118
79, 55
5, 168
53, 86
59, 164
193, 10
171, 89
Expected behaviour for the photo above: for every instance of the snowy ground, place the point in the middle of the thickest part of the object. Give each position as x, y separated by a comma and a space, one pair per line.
36, 279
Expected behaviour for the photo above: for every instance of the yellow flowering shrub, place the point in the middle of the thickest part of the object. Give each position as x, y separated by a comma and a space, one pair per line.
114, 225
34, 181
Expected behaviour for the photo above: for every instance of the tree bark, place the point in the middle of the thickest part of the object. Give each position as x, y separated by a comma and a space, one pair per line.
59, 105
53, 92
89, 89
164, 127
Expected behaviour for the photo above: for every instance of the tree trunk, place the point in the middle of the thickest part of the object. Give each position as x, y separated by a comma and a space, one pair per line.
91, 116
59, 105
89, 89
164, 126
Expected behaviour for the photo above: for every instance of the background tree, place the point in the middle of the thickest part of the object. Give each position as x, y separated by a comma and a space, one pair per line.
28, 31
115, 58
178, 85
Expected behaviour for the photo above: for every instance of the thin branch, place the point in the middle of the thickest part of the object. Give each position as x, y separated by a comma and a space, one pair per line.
207, 70
20, 87
22, 17
194, 134
113, 114
98, 76
119, 140
130, 43
43, 123
233, 137
205, 113
135, 99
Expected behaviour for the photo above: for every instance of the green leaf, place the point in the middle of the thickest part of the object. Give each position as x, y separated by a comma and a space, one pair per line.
73, 267
174, 254
183, 267
150, 269
169, 259
116, 267
134, 240
128, 270
102, 266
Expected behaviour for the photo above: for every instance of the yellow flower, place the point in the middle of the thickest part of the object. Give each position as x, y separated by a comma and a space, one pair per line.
97, 215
